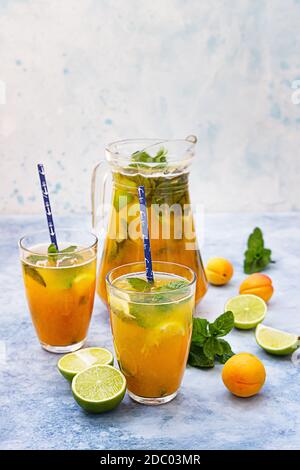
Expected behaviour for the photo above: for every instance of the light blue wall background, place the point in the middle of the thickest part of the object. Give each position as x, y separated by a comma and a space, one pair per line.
80, 73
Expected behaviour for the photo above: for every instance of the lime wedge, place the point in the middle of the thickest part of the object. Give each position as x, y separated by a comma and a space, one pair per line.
120, 304
99, 388
70, 364
275, 341
248, 310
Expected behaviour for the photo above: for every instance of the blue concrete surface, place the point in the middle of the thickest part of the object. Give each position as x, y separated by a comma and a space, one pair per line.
37, 410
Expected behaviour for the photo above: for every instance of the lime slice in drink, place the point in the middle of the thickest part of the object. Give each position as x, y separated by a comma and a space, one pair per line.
121, 306
99, 388
275, 341
248, 310
70, 364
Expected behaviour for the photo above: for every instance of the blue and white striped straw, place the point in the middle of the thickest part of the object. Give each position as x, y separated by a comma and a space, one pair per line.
145, 232
47, 205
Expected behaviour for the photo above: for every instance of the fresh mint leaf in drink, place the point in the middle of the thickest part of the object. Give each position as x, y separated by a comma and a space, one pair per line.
34, 274
257, 257
144, 157
206, 345
52, 249
138, 284
69, 249
35, 258
174, 285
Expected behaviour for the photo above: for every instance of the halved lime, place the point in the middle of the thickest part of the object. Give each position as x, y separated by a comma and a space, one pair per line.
248, 310
70, 364
275, 341
99, 388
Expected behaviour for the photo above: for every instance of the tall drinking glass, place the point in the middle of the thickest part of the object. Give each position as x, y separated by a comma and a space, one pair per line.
60, 287
152, 326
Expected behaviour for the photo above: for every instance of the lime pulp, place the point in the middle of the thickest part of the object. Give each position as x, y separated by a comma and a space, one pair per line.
73, 363
99, 388
276, 341
248, 310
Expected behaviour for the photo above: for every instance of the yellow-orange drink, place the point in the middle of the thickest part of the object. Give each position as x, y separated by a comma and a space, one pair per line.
152, 326
60, 291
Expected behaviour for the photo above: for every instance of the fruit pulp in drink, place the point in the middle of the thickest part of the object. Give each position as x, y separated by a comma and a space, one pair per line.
152, 332
60, 293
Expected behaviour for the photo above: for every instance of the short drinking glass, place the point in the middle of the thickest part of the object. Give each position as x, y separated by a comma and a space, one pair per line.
152, 326
60, 287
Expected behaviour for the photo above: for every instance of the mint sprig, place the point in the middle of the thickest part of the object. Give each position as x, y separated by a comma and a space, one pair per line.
139, 284
66, 254
142, 158
206, 346
257, 257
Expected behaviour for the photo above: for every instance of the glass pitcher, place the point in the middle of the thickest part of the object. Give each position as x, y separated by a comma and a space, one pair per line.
162, 166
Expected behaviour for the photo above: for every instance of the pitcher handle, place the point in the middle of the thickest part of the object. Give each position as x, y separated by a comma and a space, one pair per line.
100, 176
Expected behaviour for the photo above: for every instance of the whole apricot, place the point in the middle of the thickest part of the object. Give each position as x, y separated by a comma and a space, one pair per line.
258, 284
244, 375
218, 271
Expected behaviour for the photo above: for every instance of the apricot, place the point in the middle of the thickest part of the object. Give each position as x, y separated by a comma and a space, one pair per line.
244, 375
218, 271
258, 284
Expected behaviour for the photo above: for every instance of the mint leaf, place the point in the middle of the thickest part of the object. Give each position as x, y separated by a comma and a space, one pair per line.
139, 284
227, 352
34, 274
257, 257
222, 325
69, 249
206, 346
224, 358
256, 240
226, 348
200, 330
144, 157
197, 357
52, 249
161, 155
174, 285
35, 258
141, 157
211, 347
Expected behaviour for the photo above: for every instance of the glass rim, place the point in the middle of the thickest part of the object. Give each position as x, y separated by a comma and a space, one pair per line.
190, 283
110, 147
70, 230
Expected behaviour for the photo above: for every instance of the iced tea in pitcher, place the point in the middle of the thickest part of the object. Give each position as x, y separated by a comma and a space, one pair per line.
162, 167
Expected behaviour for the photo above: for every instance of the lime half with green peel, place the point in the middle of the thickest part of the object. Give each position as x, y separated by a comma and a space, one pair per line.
70, 364
275, 341
248, 310
99, 388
